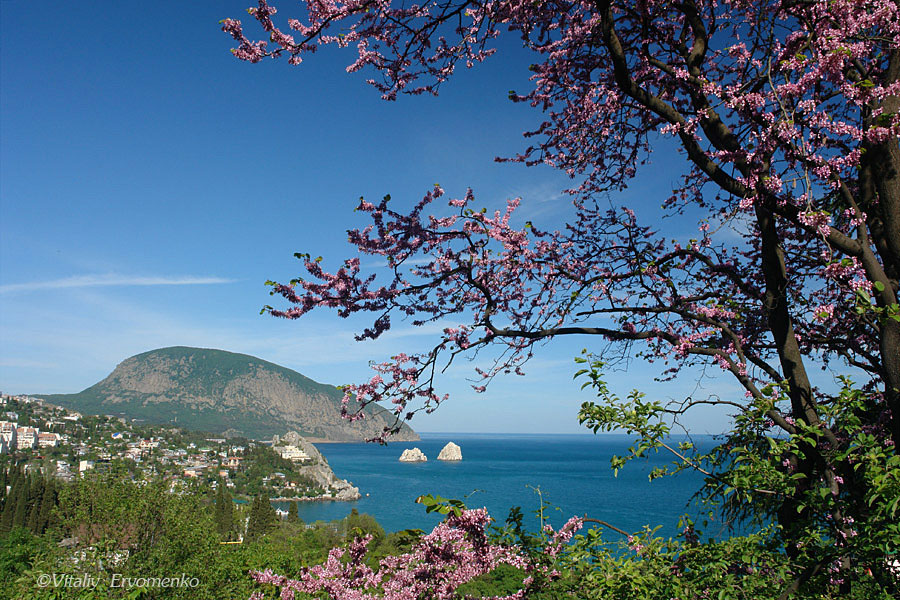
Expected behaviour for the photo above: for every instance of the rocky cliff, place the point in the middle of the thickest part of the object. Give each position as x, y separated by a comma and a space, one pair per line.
320, 471
219, 392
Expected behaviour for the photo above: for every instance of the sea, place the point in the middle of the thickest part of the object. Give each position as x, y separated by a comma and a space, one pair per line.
568, 474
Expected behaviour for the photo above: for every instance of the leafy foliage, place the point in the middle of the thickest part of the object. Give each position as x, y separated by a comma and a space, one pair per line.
113, 528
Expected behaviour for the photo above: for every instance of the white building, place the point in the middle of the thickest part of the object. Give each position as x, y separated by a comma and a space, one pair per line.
293, 453
48, 440
27, 437
8, 435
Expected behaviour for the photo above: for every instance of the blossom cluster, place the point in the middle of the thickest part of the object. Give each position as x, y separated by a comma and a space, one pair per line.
454, 553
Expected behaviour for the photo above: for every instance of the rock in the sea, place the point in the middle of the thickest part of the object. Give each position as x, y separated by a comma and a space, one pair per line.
413, 455
346, 492
450, 452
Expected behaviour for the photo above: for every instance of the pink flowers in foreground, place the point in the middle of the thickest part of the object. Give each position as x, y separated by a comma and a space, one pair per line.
455, 552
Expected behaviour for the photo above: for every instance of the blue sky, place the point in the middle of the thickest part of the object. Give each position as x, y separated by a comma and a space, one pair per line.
150, 184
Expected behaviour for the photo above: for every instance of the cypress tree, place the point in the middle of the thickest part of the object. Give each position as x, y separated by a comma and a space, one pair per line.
227, 514
253, 521
20, 515
11, 480
47, 504
9, 507
220, 509
262, 517
293, 515
3, 488
34, 505
269, 516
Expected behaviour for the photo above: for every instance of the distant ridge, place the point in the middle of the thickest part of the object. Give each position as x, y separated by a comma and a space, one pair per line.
225, 392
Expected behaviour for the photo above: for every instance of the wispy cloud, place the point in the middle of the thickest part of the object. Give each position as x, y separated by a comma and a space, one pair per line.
107, 280
19, 363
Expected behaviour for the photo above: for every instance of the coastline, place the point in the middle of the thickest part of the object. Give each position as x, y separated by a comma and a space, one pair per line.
313, 499
502, 470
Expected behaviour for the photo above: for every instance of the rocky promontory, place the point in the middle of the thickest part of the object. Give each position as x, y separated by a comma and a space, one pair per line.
450, 452
413, 455
316, 467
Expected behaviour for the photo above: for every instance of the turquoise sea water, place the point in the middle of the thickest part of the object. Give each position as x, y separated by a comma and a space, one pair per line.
499, 471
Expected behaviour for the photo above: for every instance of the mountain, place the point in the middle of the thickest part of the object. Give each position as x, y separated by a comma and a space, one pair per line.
224, 392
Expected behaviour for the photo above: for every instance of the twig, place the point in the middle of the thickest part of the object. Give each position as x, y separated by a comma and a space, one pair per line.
607, 525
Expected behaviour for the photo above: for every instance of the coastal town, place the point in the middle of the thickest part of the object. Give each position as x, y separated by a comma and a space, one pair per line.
40, 437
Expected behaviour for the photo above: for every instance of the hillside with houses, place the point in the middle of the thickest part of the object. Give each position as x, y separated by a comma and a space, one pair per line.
40, 437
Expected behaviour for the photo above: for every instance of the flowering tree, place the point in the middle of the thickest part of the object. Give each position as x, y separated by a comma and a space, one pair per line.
787, 116
457, 551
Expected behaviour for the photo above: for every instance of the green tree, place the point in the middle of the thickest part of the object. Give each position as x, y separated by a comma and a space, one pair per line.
9, 505
163, 533
35, 500
224, 512
228, 513
262, 517
21, 511
358, 524
293, 515
18, 552
47, 504
220, 509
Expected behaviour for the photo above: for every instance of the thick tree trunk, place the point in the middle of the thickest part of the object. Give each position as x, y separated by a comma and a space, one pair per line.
881, 162
803, 407
780, 323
